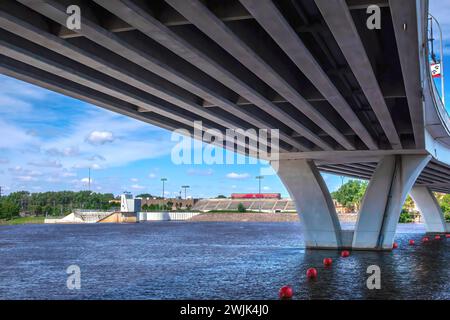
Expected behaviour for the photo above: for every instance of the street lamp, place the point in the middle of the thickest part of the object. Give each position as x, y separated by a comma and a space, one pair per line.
185, 187
163, 181
259, 181
441, 58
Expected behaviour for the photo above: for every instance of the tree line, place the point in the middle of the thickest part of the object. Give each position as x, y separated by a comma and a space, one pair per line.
351, 194
53, 203
60, 203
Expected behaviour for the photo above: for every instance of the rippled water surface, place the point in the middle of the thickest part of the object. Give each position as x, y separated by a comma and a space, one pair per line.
209, 260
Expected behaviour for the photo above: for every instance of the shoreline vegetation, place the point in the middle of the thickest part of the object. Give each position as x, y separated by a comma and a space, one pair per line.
212, 216
23, 207
22, 220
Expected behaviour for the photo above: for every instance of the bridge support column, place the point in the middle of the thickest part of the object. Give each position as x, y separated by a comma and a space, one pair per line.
314, 205
387, 191
430, 209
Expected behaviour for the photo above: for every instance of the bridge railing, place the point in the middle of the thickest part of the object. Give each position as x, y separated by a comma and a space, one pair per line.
430, 87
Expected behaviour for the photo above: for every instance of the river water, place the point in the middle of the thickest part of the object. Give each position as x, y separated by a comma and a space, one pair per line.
208, 260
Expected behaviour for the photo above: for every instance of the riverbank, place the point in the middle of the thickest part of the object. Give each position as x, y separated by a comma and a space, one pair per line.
245, 217
259, 217
24, 220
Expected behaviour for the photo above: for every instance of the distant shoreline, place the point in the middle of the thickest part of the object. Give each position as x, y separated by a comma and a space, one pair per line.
258, 217
245, 217
23, 220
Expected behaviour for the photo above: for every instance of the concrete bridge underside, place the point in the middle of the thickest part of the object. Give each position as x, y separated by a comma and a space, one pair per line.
346, 99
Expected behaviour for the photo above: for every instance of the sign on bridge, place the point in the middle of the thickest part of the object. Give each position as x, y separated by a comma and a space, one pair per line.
435, 70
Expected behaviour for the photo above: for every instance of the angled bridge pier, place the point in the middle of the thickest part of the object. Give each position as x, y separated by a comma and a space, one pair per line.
314, 205
387, 191
429, 209
377, 221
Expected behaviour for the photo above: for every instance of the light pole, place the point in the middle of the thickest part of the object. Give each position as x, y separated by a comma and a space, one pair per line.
259, 182
441, 49
163, 181
185, 187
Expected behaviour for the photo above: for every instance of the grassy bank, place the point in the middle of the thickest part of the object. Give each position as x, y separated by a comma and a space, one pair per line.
25, 220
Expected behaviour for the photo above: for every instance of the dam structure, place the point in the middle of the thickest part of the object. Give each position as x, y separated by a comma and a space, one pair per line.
347, 96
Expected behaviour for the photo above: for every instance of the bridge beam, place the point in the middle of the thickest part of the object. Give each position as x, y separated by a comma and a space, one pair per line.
390, 184
339, 19
429, 209
314, 205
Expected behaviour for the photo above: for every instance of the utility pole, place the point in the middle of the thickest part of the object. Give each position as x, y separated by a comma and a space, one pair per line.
163, 182
259, 189
185, 187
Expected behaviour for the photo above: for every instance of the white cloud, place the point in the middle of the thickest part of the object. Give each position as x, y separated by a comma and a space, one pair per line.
46, 164
137, 187
16, 169
96, 157
238, 176
26, 178
266, 188
134, 179
100, 137
14, 137
86, 180
93, 166
200, 172
65, 152
67, 174
62, 137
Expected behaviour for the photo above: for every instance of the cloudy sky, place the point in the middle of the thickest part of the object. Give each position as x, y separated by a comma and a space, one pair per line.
48, 142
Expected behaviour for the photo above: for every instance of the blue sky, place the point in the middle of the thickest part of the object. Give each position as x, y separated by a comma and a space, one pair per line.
48, 142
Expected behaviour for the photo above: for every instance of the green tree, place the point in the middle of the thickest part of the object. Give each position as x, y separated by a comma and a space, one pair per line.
444, 202
8, 209
405, 217
221, 196
55, 203
241, 208
350, 194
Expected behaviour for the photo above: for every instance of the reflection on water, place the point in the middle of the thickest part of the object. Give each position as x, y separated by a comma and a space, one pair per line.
208, 260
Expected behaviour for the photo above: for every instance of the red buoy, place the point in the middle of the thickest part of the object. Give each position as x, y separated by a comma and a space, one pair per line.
437, 237
395, 245
327, 262
345, 254
286, 292
425, 239
412, 242
311, 273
